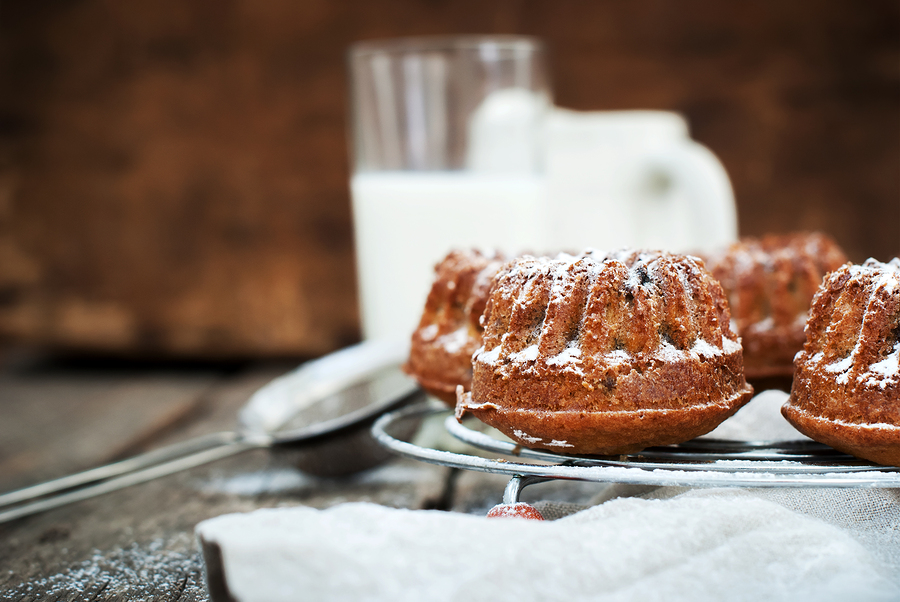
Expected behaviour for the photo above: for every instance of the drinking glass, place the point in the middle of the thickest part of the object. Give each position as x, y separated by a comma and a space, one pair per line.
446, 153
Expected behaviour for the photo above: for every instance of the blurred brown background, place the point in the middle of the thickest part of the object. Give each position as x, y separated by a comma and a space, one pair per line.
173, 173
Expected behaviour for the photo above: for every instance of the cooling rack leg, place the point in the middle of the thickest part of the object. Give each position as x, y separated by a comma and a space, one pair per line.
517, 484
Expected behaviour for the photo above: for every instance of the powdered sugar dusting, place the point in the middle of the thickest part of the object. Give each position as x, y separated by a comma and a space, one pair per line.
529, 354
729, 346
762, 326
889, 366
517, 510
558, 443
617, 357
526, 437
841, 365
636, 275
883, 373
151, 571
842, 368
429, 332
570, 357
889, 280
668, 353
488, 357
886, 370
455, 341
704, 349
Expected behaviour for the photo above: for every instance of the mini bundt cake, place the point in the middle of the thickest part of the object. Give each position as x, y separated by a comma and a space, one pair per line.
605, 354
770, 283
846, 390
449, 332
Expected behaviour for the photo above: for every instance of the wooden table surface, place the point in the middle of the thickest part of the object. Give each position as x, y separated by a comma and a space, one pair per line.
138, 543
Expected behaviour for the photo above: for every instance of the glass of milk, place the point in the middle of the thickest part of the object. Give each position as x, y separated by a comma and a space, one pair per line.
446, 153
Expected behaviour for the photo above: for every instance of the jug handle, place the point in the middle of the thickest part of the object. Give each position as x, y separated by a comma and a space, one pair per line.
699, 173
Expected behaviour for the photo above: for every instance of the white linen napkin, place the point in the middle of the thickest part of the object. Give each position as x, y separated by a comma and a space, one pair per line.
701, 545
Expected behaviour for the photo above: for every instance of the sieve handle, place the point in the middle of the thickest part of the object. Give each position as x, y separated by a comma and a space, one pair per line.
111, 477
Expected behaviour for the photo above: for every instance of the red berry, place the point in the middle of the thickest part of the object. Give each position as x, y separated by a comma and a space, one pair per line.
518, 510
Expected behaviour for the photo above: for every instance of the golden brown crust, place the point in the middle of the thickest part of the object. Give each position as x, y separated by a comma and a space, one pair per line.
879, 443
846, 390
770, 283
449, 331
609, 353
603, 433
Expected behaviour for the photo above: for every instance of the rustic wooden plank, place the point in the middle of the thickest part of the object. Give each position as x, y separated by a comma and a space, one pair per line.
57, 423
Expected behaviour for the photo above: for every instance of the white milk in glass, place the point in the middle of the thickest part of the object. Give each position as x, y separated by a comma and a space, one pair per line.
406, 222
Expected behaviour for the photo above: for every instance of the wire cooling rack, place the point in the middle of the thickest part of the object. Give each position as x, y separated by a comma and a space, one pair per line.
697, 463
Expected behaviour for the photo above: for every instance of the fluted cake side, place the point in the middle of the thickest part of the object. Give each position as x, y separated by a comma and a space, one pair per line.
846, 390
770, 283
449, 331
606, 353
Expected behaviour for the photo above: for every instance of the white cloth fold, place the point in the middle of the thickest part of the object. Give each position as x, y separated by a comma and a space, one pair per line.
701, 545
665, 544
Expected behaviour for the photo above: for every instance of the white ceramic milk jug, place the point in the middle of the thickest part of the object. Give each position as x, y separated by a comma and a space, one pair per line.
633, 178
